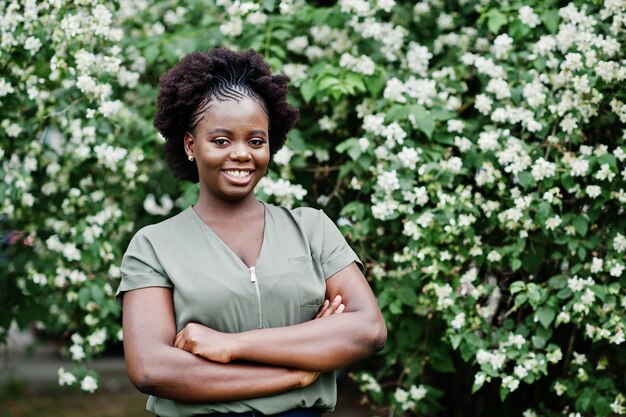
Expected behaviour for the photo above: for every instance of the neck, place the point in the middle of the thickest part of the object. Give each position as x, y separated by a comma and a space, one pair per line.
211, 208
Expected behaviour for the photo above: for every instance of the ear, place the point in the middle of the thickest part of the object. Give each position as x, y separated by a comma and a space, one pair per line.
188, 143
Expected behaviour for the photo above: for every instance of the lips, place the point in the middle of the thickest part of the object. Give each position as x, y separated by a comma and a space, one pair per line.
238, 176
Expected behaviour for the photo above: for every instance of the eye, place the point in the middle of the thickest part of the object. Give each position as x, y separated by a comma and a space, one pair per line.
257, 142
220, 141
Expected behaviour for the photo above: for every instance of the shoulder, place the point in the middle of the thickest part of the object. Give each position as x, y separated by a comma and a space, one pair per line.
167, 229
305, 217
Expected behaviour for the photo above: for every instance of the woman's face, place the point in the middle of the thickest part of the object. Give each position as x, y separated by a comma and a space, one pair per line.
231, 148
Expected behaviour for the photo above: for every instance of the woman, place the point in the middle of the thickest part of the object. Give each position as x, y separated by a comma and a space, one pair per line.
234, 306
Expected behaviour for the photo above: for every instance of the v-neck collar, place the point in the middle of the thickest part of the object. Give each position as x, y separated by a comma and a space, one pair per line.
228, 248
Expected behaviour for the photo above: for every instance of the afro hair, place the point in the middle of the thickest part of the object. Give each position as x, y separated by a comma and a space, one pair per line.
216, 74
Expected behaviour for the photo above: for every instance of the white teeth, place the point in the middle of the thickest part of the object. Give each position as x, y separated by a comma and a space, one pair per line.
238, 174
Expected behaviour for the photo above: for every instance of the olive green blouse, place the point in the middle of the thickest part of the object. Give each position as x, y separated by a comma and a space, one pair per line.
211, 285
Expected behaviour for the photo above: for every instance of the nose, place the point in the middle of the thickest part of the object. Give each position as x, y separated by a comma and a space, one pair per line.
240, 153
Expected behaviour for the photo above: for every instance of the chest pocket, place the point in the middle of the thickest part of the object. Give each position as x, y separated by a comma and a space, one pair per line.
310, 284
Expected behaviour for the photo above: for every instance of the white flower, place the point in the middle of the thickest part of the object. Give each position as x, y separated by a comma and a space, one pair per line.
89, 384
520, 372
499, 87
593, 191
283, 156
364, 144
553, 222
555, 355
502, 45
97, 338
388, 181
77, 352
528, 17
296, 73
409, 157
150, 205
394, 90
617, 407
5, 87
32, 45
65, 377
362, 64
385, 5
560, 388
283, 190
596, 265
483, 104
510, 383
619, 242
543, 169
494, 256
488, 141
605, 173
458, 322
463, 143
327, 124
454, 164
417, 58
298, 44
374, 123
417, 393
456, 126
568, 124
232, 27
578, 167
401, 395
617, 270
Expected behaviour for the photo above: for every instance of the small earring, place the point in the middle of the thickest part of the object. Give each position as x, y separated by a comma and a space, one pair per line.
190, 157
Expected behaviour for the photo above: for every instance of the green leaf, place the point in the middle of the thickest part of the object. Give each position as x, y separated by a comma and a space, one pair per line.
423, 119
516, 264
397, 112
151, 53
546, 316
517, 286
395, 308
550, 19
538, 342
374, 84
503, 393
269, 5
583, 403
496, 20
525, 179
407, 296
327, 82
441, 360
307, 89
557, 282
601, 407
581, 225
455, 341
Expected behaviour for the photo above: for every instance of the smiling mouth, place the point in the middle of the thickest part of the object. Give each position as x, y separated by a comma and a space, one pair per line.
240, 175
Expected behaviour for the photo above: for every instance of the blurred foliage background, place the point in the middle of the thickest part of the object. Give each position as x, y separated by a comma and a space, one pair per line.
472, 152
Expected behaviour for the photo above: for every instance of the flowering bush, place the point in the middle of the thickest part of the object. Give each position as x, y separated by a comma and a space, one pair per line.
473, 152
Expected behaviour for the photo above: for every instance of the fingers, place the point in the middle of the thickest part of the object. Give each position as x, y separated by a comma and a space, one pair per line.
330, 308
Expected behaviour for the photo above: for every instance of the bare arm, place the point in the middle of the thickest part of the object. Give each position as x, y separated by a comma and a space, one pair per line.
319, 345
156, 367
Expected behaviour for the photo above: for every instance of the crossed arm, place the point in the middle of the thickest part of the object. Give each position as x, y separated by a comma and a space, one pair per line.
175, 366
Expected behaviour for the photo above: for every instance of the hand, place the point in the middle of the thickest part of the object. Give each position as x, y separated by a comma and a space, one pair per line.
206, 342
306, 378
328, 308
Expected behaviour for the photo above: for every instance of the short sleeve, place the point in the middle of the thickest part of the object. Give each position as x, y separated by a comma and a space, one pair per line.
140, 267
332, 249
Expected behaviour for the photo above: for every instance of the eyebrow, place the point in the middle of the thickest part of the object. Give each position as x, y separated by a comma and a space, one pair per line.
227, 131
